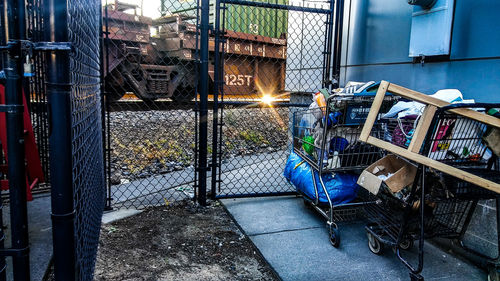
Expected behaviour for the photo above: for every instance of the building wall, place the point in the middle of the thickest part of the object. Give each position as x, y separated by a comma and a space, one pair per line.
376, 39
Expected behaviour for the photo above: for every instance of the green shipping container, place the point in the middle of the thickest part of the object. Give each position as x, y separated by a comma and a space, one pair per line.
258, 21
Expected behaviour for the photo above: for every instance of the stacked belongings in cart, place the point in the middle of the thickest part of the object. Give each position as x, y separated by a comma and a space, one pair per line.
327, 155
443, 159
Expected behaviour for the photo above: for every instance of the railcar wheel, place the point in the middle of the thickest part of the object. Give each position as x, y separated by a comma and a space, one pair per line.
184, 94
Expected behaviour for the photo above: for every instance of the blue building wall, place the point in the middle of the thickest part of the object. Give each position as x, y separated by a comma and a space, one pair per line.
376, 39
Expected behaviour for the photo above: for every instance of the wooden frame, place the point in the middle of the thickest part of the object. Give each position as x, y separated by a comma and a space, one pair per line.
412, 153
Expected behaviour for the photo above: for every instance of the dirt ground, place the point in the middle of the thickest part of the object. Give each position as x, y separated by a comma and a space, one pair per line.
179, 242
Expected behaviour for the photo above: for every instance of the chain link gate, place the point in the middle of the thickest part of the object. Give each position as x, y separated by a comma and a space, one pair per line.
273, 56
151, 62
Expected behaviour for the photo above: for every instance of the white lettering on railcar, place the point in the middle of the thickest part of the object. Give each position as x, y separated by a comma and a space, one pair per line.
238, 80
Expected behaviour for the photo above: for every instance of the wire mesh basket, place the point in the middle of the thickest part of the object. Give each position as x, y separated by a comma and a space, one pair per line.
331, 134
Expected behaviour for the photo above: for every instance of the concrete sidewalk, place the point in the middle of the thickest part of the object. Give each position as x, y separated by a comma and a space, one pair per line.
40, 235
294, 240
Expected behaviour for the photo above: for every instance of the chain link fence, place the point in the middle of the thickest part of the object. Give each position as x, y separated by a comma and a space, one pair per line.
151, 63
35, 92
268, 50
274, 57
87, 146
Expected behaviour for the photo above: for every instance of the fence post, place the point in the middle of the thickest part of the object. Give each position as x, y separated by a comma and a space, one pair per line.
203, 89
58, 96
16, 18
3, 42
106, 136
217, 87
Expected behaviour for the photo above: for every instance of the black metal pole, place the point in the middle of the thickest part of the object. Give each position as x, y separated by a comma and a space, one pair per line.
3, 265
203, 88
337, 44
327, 52
217, 86
16, 18
58, 95
105, 106
3, 42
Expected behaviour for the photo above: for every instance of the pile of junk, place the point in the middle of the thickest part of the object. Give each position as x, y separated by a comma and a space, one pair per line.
413, 166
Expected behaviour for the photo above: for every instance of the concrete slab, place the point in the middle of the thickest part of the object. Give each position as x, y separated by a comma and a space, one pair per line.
295, 242
119, 214
40, 236
271, 214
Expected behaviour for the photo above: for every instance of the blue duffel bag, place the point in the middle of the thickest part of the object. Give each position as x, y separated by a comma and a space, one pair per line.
342, 188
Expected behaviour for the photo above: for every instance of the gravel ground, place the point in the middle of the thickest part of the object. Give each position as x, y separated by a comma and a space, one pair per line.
157, 142
178, 242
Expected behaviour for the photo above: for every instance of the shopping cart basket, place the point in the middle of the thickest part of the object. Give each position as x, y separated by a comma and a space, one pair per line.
438, 204
327, 139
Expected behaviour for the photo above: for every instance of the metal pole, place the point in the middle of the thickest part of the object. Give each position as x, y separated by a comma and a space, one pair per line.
105, 107
327, 79
337, 45
15, 140
3, 42
217, 86
58, 96
203, 88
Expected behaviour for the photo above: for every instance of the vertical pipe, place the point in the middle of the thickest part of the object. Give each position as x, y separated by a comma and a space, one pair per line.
327, 52
59, 107
203, 87
337, 44
15, 140
217, 87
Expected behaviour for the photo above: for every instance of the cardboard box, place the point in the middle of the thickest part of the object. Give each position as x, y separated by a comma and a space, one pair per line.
403, 174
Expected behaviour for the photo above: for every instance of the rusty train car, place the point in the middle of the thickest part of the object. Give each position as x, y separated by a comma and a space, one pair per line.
163, 65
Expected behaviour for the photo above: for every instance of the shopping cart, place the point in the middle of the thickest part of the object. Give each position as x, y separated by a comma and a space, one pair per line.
438, 204
327, 139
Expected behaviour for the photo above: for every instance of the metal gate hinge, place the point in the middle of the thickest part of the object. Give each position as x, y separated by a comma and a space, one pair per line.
11, 108
25, 45
53, 46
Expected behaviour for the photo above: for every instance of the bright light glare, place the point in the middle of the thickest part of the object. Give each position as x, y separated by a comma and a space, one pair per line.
267, 99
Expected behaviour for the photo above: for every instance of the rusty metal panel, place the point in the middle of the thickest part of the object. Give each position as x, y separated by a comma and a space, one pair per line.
127, 27
252, 77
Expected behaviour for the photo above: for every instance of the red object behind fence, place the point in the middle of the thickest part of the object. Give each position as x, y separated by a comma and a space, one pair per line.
34, 172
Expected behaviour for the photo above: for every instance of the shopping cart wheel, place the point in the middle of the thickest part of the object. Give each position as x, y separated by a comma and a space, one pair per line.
493, 274
308, 204
406, 244
374, 244
334, 236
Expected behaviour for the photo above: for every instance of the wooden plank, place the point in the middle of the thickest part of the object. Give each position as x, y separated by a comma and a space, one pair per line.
417, 96
421, 131
372, 115
468, 177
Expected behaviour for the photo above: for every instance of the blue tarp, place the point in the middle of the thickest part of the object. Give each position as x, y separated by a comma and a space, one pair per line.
342, 188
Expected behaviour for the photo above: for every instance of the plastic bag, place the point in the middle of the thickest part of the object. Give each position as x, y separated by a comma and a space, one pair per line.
342, 188
402, 108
